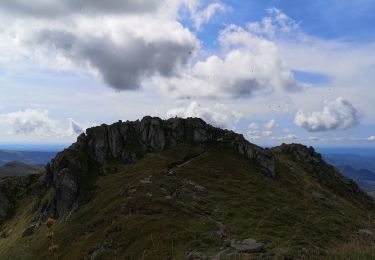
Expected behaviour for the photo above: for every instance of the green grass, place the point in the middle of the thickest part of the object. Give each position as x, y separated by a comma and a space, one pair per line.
169, 218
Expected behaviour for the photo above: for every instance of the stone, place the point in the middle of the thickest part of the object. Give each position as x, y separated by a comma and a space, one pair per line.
248, 245
195, 255
365, 232
197, 187
29, 231
131, 191
146, 180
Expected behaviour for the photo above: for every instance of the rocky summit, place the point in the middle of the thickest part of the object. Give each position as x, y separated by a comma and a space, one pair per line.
183, 189
129, 142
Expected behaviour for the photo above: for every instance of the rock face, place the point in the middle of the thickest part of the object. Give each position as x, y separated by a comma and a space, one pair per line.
128, 142
248, 246
365, 232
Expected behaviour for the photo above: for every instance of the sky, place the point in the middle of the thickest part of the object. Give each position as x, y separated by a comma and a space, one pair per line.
276, 71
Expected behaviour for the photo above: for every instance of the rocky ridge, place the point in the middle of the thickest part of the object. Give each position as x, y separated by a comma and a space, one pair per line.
127, 142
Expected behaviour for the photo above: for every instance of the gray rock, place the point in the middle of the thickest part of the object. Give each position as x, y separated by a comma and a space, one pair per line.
29, 231
248, 246
131, 191
197, 187
147, 180
195, 255
365, 232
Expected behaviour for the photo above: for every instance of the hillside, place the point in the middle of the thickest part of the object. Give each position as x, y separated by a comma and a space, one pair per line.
18, 168
182, 189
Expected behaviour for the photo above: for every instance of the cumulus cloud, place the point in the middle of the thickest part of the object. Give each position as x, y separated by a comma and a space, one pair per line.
271, 125
256, 132
37, 123
122, 62
249, 64
128, 44
203, 16
29, 122
339, 114
217, 115
276, 24
371, 138
123, 43
253, 126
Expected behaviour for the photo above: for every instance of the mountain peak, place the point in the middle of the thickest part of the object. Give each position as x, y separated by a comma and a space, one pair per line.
128, 142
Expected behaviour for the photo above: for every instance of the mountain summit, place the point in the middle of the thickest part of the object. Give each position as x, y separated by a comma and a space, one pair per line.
183, 189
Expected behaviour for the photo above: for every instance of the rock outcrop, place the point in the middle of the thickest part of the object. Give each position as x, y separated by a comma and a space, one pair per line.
247, 246
128, 142
326, 174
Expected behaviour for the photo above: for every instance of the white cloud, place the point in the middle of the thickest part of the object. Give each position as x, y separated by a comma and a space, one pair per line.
288, 137
37, 123
29, 122
371, 138
276, 24
339, 114
253, 126
286, 130
203, 16
250, 64
271, 125
255, 132
313, 138
218, 115
267, 133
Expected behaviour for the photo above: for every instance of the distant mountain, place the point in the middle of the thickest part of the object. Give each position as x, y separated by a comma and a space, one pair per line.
360, 168
183, 189
28, 157
16, 168
354, 160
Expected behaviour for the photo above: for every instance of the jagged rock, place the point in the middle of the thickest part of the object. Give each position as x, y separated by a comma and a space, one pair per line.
29, 231
131, 191
248, 246
197, 187
128, 142
147, 180
302, 153
196, 255
365, 232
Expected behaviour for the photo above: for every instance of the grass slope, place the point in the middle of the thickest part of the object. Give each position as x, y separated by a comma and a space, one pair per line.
185, 199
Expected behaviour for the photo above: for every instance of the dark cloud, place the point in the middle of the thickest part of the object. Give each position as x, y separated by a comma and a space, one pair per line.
52, 8
121, 66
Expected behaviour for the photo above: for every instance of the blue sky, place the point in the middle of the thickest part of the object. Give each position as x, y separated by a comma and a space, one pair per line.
276, 71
